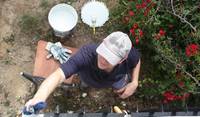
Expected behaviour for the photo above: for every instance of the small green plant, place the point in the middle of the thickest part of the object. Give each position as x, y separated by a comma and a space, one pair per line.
47, 36
44, 4
8, 61
7, 103
30, 24
9, 39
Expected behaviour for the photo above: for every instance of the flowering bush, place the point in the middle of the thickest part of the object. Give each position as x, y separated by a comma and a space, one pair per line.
138, 13
167, 33
191, 50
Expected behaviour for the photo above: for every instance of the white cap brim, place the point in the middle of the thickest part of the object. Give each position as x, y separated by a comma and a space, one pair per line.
107, 54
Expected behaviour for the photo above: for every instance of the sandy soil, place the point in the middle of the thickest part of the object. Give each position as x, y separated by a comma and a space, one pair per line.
16, 55
17, 49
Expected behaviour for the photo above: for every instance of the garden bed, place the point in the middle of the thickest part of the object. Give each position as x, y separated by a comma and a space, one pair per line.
165, 32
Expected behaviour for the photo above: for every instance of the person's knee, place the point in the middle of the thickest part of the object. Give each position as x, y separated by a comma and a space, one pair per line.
69, 80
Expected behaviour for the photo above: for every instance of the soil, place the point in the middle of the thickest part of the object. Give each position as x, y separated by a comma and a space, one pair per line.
17, 53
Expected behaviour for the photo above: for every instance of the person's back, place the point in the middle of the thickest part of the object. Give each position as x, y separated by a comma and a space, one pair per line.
94, 76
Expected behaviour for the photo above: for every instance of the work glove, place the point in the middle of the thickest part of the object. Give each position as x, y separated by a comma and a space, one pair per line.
28, 110
58, 52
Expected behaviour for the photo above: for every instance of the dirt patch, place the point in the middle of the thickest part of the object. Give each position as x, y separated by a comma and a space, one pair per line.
17, 53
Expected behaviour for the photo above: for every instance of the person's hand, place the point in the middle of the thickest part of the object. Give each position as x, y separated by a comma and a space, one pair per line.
58, 52
33, 106
128, 90
32, 102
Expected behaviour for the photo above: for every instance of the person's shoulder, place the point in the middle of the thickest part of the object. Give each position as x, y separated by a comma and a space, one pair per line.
134, 52
89, 50
90, 46
133, 57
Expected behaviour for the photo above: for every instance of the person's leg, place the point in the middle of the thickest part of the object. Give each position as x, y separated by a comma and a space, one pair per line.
74, 79
82, 83
69, 80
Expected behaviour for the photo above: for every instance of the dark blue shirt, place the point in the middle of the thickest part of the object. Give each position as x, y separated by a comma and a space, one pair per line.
84, 62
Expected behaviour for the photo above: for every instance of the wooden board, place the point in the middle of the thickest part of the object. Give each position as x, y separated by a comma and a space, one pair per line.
44, 67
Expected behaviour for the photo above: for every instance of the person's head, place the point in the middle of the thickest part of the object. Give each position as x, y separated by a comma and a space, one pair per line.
113, 50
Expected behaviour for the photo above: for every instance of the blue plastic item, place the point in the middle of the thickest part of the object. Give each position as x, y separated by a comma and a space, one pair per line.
34, 109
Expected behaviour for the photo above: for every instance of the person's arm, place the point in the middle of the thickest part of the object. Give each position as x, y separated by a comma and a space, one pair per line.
130, 88
135, 74
47, 87
72, 66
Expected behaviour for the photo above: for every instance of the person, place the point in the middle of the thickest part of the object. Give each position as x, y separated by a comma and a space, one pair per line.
112, 63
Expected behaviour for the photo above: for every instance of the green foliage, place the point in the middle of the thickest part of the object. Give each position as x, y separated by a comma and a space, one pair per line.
169, 41
9, 39
33, 25
44, 4
30, 24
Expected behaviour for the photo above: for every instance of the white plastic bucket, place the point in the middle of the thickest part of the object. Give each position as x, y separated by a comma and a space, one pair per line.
62, 18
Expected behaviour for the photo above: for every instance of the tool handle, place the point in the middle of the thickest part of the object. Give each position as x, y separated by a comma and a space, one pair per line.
117, 109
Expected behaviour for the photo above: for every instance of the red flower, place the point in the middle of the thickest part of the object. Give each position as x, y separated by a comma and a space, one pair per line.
146, 12
126, 19
131, 13
140, 32
135, 25
169, 95
181, 84
138, 6
132, 31
144, 4
157, 36
162, 32
136, 40
191, 50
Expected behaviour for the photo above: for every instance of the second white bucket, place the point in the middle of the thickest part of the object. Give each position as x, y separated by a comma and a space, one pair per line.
62, 18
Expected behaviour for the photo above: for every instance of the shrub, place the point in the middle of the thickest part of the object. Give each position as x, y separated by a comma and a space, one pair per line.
167, 32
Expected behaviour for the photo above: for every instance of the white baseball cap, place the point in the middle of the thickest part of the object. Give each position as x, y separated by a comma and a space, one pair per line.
115, 47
